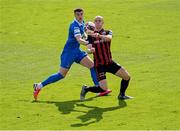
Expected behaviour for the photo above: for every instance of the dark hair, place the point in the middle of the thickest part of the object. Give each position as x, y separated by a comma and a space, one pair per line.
78, 10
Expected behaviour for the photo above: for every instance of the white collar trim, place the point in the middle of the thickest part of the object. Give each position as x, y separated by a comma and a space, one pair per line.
80, 24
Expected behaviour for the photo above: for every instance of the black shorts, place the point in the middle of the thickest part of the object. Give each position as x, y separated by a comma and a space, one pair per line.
102, 69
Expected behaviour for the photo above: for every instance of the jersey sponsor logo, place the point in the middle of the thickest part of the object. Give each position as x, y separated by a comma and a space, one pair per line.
99, 41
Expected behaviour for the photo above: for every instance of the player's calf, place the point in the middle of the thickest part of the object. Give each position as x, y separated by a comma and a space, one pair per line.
124, 83
95, 89
51, 79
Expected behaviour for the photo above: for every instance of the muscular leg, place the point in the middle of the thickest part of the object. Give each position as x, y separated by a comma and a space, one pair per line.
123, 73
87, 62
97, 89
125, 80
55, 77
63, 71
103, 84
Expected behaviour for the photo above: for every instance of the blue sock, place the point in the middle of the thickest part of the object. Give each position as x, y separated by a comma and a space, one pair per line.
94, 76
53, 78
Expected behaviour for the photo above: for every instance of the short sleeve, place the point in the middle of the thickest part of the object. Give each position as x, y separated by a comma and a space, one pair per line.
76, 31
109, 32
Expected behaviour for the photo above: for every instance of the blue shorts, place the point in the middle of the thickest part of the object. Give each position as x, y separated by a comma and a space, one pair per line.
68, 57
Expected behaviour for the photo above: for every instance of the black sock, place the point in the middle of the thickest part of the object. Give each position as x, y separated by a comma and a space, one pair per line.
94, 89
124, 85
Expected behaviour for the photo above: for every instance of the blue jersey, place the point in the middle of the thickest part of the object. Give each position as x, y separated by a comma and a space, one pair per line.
75, 29
72, 53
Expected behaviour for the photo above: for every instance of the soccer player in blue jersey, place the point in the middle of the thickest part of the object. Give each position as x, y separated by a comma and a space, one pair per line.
71, 53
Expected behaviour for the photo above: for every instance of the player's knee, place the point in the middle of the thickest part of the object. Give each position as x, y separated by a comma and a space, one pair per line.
63, 73
127, 77
91, 65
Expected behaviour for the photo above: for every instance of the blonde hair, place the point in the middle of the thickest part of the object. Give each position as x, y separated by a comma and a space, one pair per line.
98, 17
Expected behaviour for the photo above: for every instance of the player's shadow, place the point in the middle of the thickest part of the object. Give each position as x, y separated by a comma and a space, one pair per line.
65, 107
95, 113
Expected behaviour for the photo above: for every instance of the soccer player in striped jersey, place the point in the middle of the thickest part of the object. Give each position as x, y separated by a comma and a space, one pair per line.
99, 45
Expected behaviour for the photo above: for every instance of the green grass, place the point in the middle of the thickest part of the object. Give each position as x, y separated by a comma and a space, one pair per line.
146, 41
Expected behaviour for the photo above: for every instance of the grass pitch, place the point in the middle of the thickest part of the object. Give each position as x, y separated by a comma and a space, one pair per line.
146, 42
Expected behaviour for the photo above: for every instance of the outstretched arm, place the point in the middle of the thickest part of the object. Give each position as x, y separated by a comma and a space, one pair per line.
78, 36
81, 40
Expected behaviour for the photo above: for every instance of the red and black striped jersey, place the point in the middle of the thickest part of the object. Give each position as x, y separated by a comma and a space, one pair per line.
102, 54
